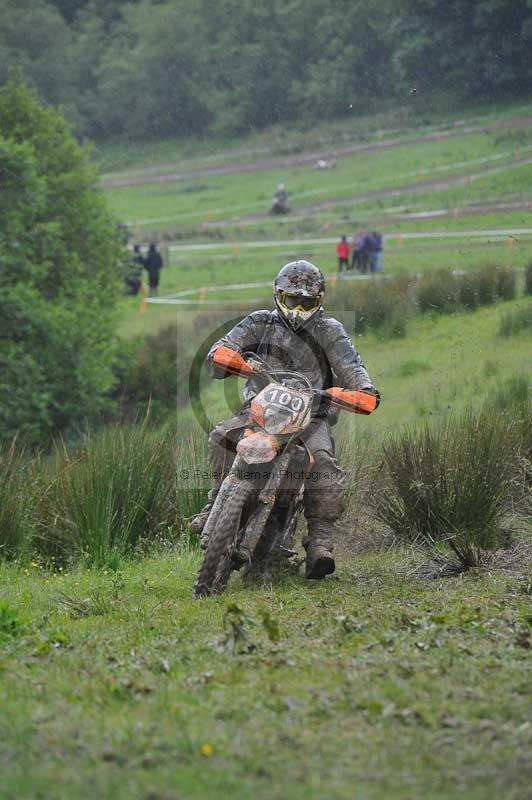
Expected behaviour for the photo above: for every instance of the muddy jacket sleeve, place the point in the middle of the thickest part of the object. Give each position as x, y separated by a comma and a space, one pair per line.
245, 336
347, 366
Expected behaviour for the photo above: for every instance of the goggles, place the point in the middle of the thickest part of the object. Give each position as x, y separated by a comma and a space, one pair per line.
296, 302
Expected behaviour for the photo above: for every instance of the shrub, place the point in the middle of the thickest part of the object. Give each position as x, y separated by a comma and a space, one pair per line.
153, 372
377, 305
15, 520
467, 295
449, 483
514, 322
528, 278
437, 292
486, 286
117, 491
505, 283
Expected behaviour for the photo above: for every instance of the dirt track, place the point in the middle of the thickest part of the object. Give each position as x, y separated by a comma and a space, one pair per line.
418, 187
309, 158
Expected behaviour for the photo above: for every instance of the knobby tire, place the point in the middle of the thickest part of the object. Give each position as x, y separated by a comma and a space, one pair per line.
217, 563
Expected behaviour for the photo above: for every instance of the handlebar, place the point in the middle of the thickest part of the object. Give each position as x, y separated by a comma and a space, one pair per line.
354, 401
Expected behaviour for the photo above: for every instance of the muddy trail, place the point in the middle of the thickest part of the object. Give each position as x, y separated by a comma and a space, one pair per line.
310, 158
424, 186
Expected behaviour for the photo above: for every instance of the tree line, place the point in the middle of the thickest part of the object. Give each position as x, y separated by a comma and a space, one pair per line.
157, 68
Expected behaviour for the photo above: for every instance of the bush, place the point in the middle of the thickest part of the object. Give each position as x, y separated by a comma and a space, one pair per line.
449, 483
113, 494
437, 292
528, 278
15, 509
467, 295
505, 283
153, 372
377, 305
514, 322
486, 286
446, 291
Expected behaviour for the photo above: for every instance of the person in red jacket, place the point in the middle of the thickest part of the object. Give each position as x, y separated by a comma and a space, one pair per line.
343, 249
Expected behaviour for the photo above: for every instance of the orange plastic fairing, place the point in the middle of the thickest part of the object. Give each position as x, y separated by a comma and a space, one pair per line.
356, 402
231, 360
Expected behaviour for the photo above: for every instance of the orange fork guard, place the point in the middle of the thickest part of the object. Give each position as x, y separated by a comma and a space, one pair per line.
231, 361
356, 402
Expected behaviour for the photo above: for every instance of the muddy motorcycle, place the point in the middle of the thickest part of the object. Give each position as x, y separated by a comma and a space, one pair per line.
279, 205
253, 521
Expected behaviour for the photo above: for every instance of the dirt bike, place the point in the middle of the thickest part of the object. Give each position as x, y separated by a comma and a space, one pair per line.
253, 520
279, 205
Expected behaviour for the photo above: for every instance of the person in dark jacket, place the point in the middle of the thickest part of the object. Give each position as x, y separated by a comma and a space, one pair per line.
360, 251
133, 277
296, 336
375, 251
153, 264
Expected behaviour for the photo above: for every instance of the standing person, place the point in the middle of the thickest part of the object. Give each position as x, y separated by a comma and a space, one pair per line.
360, 251
343, 248
296, 335
154, 264
375, 252
133, 278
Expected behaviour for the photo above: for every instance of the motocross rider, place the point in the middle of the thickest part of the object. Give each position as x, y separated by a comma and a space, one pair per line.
296, 336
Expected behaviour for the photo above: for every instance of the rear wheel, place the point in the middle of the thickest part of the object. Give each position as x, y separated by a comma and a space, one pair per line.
218, 561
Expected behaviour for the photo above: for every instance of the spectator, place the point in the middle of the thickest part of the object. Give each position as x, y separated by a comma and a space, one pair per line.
133, 278
153, 264
375, 251
360, 251
343, 249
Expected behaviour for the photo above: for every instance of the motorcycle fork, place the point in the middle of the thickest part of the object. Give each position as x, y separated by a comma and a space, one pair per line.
232, 477
266, 500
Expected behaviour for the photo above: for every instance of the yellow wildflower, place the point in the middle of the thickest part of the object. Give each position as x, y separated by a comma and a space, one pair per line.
207, 750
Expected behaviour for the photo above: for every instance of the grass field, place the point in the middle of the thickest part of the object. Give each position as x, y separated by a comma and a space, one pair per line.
376, 684
458, 185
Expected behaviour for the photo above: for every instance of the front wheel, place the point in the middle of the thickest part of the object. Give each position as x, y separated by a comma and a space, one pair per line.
218, 561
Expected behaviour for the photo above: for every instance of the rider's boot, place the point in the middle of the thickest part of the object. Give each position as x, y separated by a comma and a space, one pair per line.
319, 547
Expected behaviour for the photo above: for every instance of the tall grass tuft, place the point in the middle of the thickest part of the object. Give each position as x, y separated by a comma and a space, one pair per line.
113, 494
437, 292
528, 278
449, 483
15, 509
505, 283
513, 322
382, 306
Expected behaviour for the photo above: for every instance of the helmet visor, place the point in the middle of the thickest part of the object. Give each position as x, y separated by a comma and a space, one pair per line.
297, 302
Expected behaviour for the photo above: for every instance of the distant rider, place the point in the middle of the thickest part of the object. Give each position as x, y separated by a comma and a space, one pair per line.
296, 336
280, 200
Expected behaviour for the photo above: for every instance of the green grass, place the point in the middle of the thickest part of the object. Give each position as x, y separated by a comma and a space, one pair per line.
381, 686
219, 197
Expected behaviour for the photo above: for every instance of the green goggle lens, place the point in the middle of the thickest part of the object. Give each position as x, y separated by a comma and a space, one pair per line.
294, 301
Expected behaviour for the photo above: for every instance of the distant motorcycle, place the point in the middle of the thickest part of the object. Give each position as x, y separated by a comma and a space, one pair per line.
253, 521
279, 203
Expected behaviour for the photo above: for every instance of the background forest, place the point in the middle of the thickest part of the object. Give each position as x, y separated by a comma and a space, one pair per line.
149, 69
